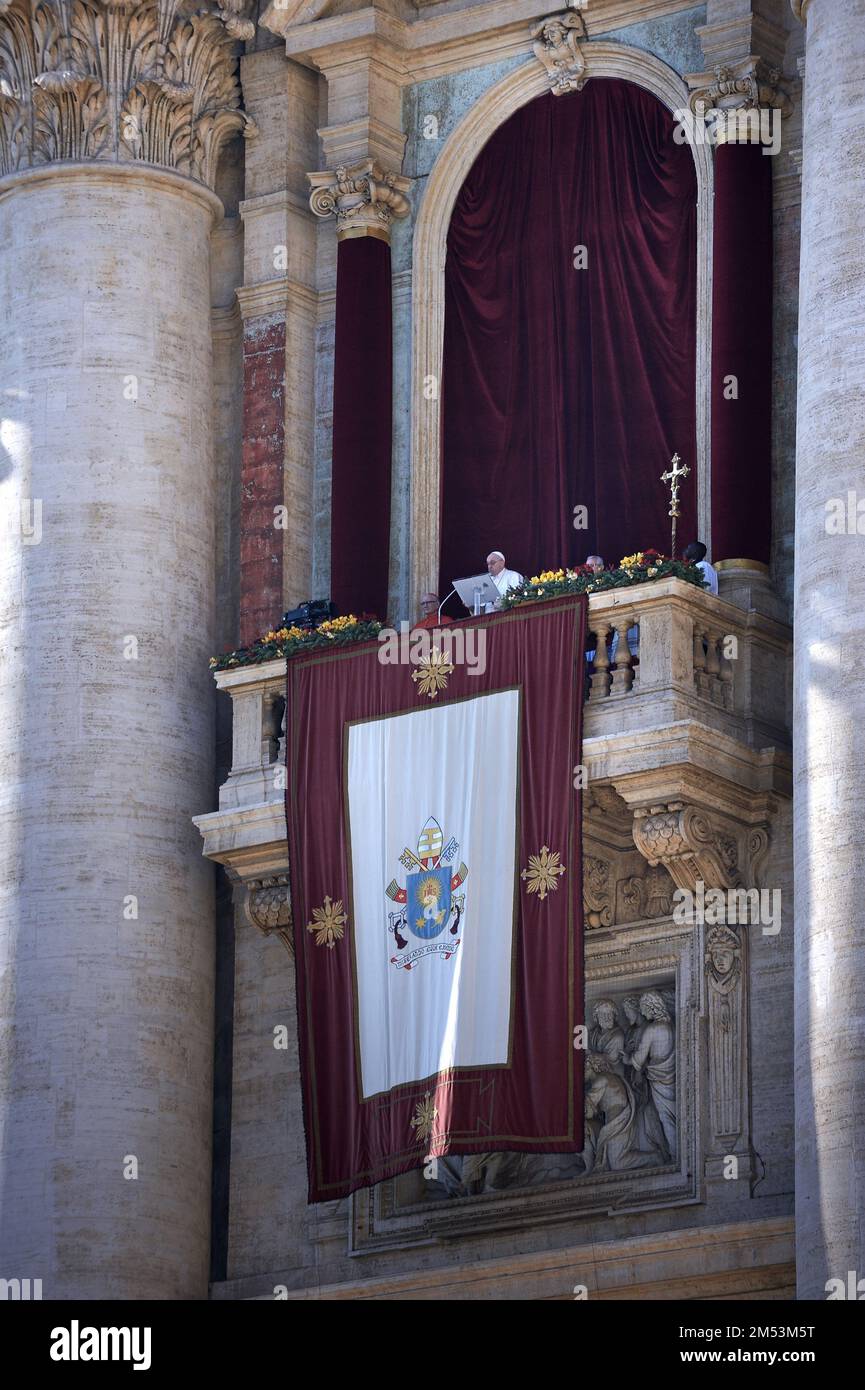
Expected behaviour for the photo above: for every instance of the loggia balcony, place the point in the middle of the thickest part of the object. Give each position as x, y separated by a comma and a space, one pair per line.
692, 707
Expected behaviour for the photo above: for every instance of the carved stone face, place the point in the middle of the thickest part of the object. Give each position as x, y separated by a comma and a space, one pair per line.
631, 1012
722, 959
606, 1015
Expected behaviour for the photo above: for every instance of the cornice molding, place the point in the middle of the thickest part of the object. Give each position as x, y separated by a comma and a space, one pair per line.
122, 82
434, 44
276, 297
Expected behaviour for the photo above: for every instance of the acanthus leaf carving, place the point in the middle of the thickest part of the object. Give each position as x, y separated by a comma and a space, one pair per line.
120, 80
649, 894
597, 895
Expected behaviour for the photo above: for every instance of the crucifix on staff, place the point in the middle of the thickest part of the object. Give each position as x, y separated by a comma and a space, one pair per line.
673, 476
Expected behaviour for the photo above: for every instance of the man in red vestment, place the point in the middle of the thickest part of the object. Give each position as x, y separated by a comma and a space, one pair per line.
429, 608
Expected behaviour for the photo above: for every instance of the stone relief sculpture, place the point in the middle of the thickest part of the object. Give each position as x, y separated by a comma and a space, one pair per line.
612, 1120
726, 1026
607, 1037
467, 1175
654, 1059
630, 1105
557, 45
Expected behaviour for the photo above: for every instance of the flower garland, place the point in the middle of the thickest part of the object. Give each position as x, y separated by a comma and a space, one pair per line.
639, 568
631, 569
286, 641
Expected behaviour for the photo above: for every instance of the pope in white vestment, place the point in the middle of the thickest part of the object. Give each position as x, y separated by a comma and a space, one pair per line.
502, 577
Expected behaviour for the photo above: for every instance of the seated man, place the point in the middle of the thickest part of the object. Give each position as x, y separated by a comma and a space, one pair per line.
696, 553
503, 578
429, 605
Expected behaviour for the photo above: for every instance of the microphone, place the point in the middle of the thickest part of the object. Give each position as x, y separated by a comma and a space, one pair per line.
444, 601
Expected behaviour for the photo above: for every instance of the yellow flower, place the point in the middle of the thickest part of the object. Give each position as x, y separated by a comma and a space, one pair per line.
629, 562
332, 625
653, 572
535, 579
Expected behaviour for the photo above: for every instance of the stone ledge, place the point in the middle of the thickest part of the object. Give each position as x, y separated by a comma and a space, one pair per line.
744, 1259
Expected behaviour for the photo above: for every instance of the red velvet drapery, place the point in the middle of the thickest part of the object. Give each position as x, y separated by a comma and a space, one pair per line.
566, 387
742, 349
362, 434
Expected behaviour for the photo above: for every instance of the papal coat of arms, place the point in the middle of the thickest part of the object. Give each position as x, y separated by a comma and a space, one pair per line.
428, 907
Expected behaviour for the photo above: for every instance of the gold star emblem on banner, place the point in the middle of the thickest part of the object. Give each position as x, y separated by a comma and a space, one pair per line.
542, 875
425, 1116
432, 676
328, 923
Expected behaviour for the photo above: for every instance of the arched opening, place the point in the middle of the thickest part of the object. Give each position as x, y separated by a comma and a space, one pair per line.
570, 334
454, 162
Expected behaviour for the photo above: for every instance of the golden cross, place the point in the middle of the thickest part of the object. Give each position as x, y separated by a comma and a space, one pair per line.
672, 476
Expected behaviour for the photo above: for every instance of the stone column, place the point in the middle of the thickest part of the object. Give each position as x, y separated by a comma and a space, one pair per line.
739, 103
108, 149
829, 703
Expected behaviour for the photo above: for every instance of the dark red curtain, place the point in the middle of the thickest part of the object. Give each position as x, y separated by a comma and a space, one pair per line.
565, 387
362, 409
742, 348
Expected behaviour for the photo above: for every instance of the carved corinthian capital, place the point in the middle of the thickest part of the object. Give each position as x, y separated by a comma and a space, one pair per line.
120, 81
267, 906
364, 198
749, 85
556, 44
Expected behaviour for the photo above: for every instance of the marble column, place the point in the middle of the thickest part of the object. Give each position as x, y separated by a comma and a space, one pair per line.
829, 795
108, 151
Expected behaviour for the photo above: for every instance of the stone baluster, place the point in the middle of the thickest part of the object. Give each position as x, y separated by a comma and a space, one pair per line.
623, 672
280, 752
712, 659
726, 678
271, 723
601, 678
699, 658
